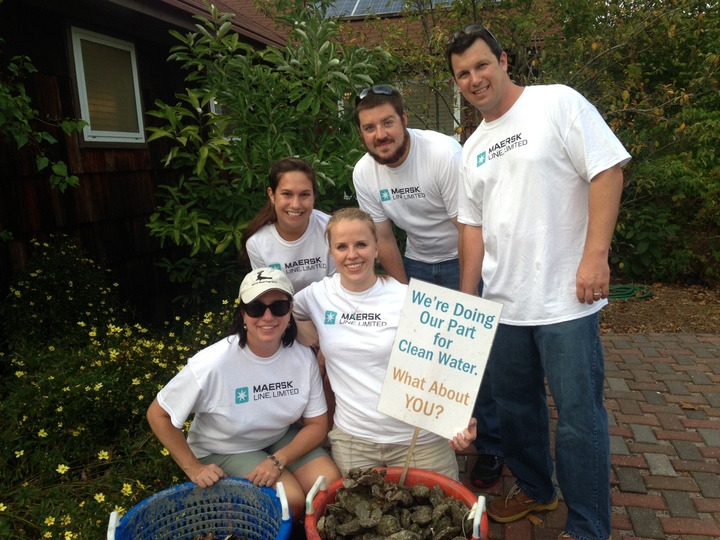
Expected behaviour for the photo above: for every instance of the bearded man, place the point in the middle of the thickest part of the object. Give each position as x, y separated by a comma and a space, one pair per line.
410, 178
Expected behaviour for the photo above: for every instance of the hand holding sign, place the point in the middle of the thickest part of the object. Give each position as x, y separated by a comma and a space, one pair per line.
438, 358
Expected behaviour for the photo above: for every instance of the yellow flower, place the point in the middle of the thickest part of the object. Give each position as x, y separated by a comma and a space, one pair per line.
48, 534
98, 386
62, 468
99, 497
126, 489
102, 454
19, 453
119, 509
165, 452
59, 409
66, 520
135, 381
51, 348
19, 374
49, 521
42, 433
2, 507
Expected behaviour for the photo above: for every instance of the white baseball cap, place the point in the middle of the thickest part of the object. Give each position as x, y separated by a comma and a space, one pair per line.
262, 280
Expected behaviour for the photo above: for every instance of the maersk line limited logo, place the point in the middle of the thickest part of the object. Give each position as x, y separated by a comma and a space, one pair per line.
330, 317
276, 266
481, 159
385, 195
242, 395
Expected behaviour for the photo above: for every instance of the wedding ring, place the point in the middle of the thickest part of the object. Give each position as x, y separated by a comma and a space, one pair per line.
597, 294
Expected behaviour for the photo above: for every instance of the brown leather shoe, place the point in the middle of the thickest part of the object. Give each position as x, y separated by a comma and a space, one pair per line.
516, 505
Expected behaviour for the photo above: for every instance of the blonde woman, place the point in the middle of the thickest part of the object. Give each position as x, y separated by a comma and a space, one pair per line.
356, 314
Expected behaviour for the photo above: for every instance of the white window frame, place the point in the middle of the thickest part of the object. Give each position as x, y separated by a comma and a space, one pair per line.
89, 134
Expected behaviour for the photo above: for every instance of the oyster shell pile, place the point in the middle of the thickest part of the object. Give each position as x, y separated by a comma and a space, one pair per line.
369, 508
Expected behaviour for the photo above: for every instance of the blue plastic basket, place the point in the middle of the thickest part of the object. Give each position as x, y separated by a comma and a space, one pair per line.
230, 506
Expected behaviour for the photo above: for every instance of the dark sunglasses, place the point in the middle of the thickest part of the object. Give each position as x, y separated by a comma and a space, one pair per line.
381, 89
278, 308
474, 29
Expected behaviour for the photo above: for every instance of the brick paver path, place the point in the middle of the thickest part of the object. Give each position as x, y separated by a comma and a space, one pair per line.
662, 394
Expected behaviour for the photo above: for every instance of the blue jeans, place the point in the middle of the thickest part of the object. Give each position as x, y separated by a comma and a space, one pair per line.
447, 274
569, 355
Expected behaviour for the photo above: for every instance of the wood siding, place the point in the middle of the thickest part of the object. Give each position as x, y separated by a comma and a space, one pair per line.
109, 211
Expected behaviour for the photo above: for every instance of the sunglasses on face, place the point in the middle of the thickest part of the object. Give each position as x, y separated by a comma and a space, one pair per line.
380, 89
474, 29
278, 308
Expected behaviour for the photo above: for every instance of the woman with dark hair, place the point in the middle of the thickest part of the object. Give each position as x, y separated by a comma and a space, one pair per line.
248, 393
288, 233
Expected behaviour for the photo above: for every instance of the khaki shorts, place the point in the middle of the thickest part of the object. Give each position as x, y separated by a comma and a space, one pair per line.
349, 452
240, 465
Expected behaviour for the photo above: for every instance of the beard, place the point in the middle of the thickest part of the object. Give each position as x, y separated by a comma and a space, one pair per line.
395, 156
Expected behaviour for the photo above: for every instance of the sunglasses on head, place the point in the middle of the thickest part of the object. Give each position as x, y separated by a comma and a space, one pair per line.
278, 308
380, 89
474, 29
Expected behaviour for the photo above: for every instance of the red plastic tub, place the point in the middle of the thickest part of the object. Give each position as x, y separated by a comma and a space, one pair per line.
321, 495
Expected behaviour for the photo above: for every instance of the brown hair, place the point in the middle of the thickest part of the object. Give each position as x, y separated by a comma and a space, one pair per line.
267, 214
373, 100
462, 40
238, 327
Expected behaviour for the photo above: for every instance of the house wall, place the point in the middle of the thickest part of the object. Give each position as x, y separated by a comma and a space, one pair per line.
109, 211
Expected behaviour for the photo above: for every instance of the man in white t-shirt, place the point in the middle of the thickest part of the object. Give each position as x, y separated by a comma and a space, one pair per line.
410, 178
542, 180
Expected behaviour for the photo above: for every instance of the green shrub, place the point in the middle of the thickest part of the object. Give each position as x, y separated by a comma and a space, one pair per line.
74, 441
59, 295
272, 103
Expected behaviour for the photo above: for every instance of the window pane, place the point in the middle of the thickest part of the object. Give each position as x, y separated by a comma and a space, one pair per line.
108, 88
110, 91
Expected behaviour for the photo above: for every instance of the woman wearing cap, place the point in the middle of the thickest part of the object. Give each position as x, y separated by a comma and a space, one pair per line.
356, 314
288, 233
247, 392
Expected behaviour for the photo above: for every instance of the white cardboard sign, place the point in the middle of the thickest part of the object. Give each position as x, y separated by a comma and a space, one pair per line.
438, 358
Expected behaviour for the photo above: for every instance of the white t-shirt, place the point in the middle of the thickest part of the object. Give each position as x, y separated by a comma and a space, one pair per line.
356, 333
527, 177
304, 260
243, 402
419, 196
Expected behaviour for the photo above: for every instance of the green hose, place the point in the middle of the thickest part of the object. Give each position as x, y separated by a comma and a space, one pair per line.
629, 292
